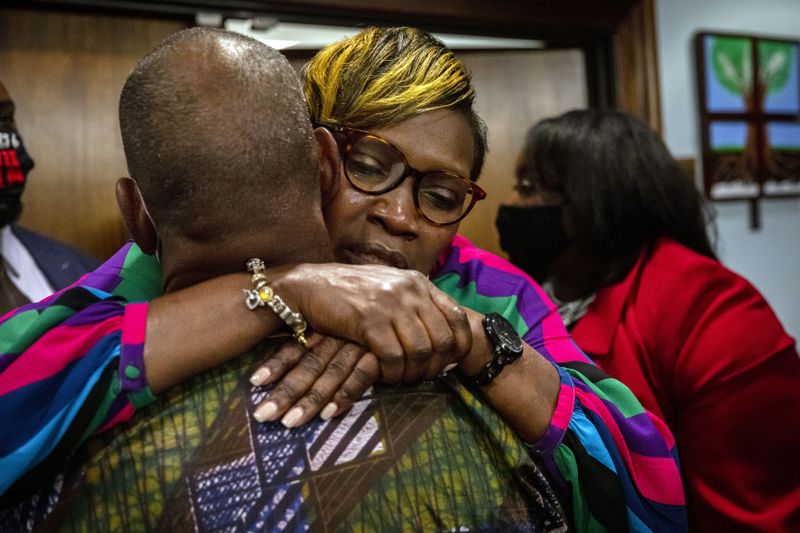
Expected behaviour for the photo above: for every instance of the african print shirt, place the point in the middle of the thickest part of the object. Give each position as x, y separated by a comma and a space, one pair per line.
403, 459
599, 432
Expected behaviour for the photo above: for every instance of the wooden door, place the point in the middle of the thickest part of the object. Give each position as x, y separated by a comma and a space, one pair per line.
65, 72
515, 90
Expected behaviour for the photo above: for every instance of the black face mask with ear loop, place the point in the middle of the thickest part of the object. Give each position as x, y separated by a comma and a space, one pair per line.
533, 237
15, 163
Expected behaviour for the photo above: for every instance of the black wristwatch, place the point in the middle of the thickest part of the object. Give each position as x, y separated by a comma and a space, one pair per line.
507, 347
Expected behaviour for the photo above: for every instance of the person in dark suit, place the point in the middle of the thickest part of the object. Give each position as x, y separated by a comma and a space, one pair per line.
33, 266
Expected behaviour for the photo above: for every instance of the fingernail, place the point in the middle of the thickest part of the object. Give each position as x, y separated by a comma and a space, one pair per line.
329, 410
260, 376
291, 418
265, 412
450, 367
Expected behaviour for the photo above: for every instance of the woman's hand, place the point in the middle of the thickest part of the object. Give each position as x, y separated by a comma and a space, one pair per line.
326, 379
308, 380
398, 314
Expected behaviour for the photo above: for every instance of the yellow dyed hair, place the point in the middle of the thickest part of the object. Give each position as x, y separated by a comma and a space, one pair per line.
383, 76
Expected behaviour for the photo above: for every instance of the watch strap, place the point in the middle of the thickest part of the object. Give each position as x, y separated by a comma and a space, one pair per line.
500, 359
490, 371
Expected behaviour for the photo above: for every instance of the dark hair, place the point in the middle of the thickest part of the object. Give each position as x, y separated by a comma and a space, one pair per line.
622, 185
383, 76
217, 135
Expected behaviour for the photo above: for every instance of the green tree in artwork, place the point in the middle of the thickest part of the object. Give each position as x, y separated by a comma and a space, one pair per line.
732, 62
774, 59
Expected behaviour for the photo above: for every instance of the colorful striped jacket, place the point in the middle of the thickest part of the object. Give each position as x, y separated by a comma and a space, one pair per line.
71, 366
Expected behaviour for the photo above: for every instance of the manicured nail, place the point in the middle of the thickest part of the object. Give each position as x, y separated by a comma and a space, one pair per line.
265, 412
329, 410
260, 376
291, 418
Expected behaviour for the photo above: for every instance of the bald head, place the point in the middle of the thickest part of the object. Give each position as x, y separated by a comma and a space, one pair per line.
217, 136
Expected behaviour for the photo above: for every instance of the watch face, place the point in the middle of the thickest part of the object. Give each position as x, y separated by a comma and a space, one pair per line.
504, 333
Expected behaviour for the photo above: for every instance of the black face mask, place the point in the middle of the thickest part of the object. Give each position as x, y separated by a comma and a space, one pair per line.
533, 237
15, 163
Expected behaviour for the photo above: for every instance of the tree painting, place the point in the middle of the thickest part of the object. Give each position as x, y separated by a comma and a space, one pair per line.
732, 67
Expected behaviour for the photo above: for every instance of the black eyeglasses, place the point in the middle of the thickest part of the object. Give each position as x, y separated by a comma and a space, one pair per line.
374, 166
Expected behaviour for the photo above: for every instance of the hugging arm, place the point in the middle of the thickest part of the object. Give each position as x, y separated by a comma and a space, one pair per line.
86, 358
614, 462
610, 458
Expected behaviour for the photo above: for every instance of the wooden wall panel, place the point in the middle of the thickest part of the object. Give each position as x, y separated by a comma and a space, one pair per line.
555, 20
515, 90
636, 64
65, 72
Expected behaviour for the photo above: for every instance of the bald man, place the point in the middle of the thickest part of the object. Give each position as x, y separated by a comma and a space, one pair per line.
223, 167
33, 266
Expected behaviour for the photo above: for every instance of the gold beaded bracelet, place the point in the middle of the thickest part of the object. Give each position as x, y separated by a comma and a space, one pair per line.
262, 295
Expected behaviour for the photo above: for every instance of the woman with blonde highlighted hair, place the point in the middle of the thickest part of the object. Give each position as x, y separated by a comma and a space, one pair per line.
385, 76
396, 104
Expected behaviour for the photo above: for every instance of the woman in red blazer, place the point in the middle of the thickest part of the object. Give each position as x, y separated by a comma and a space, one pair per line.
604, 216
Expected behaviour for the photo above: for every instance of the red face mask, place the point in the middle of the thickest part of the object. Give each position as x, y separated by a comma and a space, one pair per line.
15, 163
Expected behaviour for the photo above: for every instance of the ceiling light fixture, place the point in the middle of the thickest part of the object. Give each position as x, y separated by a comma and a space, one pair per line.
296, 36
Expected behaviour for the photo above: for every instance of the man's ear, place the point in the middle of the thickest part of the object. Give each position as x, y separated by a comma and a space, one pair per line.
328, 154
135, 216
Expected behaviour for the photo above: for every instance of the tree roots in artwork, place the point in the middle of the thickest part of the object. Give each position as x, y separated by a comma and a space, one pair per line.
780, 167
784, 167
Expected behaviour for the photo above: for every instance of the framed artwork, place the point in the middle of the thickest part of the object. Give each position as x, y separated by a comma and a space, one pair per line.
749, 98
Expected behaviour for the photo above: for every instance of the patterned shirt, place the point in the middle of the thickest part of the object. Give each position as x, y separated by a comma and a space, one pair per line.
402, 459
88, 341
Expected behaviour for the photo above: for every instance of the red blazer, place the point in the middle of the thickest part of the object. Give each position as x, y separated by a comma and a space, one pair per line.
702, 349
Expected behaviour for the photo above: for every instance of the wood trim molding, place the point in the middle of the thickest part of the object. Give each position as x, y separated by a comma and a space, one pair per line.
552, 20
636, 64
